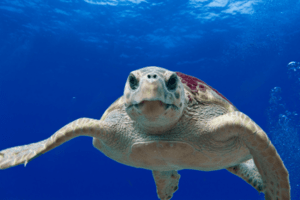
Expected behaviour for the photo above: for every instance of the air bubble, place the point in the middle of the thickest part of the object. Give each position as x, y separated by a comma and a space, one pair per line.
276, 89
293, 66
294, 113
283, 120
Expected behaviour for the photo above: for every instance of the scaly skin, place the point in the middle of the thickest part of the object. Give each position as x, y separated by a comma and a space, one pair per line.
168, 121
274, 175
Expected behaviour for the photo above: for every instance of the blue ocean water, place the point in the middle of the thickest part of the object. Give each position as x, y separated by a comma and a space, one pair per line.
65, 59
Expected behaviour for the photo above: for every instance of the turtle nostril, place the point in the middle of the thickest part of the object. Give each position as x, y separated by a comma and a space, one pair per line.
152, 76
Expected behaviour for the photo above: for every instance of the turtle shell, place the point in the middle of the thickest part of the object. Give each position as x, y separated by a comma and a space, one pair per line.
202, 92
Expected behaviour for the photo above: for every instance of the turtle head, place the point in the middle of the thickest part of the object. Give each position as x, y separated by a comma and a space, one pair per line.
154, 97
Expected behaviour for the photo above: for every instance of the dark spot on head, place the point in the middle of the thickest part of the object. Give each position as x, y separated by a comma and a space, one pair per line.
175, 188
169, 197
180, 104
250, 180
177, 95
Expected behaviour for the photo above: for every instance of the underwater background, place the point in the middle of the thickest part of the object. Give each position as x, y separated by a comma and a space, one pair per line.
65, 59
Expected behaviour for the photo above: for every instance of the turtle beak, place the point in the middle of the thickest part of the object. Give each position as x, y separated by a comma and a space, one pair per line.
148, 91
151, 91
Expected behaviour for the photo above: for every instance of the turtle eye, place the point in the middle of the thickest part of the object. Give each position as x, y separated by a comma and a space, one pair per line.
133, 82
172, 82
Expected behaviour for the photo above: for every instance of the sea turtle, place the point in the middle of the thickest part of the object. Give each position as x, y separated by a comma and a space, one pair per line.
167, 121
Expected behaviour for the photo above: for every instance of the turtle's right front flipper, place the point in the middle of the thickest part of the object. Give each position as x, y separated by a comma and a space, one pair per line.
23, 154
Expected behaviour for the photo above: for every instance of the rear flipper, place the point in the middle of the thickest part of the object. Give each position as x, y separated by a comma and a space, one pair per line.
249, 172
166, 183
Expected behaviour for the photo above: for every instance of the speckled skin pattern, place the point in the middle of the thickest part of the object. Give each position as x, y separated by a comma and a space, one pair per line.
168, 121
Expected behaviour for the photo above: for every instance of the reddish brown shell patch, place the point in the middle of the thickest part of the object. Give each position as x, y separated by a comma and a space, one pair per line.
193, 82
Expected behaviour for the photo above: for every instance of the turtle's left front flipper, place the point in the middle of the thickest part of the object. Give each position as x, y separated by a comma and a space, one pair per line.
23, 154
166, 183
274, 175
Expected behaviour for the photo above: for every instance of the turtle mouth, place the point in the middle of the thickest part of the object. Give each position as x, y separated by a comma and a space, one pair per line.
153, 105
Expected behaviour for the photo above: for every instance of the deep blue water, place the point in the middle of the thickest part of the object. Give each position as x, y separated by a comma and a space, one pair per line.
62, 60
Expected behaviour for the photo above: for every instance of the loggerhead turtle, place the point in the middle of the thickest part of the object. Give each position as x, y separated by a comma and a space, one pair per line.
167, 121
